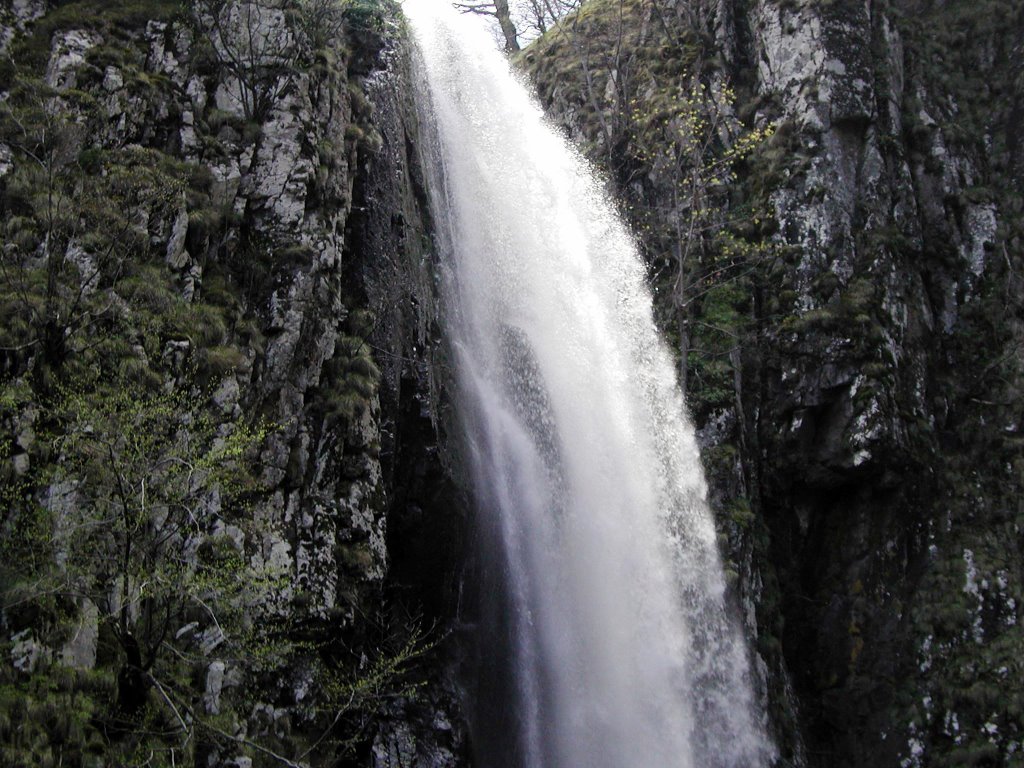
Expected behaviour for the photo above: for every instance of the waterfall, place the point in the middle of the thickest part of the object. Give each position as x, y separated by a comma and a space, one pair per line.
603, 637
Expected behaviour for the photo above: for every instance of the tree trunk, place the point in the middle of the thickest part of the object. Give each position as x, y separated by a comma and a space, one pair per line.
131, 681
684, 349
508, 29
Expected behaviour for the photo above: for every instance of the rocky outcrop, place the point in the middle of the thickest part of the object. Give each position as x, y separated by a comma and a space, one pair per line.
16, 18
312, 228
853, 344
846, 311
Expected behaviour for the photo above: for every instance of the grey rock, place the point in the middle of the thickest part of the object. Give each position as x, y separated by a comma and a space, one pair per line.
319, 539
17, 17
211, 639
394, 747
176, 354
177, 256
214, 686
21, 463
27, 652
192, 281
112, 79
80, 651
69, 49
6, 160
186, 631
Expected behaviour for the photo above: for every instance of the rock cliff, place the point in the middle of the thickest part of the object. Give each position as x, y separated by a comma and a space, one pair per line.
829, 197
248, 260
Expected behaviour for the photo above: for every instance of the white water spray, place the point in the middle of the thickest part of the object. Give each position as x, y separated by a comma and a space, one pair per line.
605, 642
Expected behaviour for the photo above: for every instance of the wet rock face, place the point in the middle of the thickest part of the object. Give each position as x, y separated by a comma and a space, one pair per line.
863, 464
861, 425
854, 458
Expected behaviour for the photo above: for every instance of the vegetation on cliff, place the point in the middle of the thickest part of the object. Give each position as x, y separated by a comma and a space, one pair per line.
161, 606
850, 336
195, 455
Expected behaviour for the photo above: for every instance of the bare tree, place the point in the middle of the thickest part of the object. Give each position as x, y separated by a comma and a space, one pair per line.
320, 22
252, 40
498, 9
537, 17
671, 139
691, 142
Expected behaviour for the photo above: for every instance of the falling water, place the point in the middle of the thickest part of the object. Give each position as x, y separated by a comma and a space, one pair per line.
603, 634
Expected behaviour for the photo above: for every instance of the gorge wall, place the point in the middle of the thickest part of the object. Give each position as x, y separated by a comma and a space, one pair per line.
845, 180
245, 256
252, 264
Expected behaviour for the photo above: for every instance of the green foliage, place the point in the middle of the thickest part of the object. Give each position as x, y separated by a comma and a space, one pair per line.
138, 468
350, 377
663, 121
78, 274
321, 22
47, 720
32, 51
131, 499
367, 15
949, 50
75, 216
141, 486
851, 313
358, 691
267, 66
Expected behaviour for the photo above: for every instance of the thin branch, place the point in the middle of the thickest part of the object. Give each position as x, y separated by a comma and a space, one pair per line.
163, 693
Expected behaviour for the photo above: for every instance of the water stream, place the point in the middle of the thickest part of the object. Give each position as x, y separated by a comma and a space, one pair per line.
603, 640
